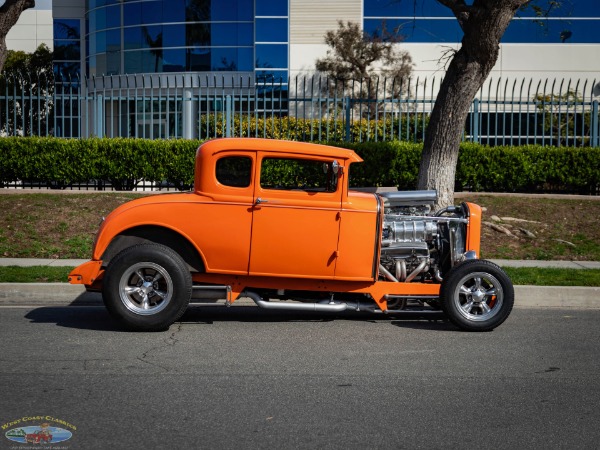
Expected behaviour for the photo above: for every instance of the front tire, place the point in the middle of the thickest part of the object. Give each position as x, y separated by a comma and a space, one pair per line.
147, 287
477, 295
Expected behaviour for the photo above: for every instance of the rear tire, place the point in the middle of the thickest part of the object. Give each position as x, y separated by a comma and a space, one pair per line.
147, 287
477, 295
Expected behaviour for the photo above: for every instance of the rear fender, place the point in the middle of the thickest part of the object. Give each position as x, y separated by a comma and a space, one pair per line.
157, 235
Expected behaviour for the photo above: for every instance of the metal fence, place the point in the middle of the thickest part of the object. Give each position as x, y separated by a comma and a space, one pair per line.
506, 112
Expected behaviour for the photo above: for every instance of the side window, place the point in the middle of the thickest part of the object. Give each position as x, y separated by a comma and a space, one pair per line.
234, 171
298, 174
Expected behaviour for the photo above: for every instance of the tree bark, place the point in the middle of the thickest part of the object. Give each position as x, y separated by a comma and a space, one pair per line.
10, 12
483, 24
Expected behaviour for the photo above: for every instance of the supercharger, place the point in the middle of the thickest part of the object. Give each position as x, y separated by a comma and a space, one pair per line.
418, 244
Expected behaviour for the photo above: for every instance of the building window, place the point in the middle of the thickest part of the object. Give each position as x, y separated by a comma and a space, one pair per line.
567, 22
67, 50
173, 35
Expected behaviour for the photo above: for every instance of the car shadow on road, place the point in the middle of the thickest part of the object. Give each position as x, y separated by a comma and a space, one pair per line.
97, 318
209, 314
81, 317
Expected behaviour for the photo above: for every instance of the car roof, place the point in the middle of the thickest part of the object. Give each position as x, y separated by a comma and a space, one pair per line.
215, 146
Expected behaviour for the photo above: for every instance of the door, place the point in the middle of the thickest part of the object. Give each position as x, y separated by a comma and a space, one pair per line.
296, 217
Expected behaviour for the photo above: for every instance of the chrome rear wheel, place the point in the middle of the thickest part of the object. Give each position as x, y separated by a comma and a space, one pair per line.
147, 287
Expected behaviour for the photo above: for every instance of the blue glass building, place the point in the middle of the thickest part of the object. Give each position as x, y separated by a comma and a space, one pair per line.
111, 37
159, 36
254, 41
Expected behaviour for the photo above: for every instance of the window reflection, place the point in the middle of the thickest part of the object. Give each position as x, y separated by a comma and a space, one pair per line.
519, 31
387, 8
271, 7
66, 71
197, 10
554, 31
419, 30
66, 29
67, 50
271, 56
570, 22
271, 76
271, 30
188, 59
182, 35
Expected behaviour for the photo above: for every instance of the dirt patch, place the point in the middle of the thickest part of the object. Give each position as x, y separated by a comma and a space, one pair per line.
51, 225
540, 228
63, 226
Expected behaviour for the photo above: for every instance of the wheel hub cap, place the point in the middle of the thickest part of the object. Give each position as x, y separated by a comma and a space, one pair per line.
478, 296
146, 288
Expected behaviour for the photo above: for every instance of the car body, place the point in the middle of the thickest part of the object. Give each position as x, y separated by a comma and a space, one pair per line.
277, 222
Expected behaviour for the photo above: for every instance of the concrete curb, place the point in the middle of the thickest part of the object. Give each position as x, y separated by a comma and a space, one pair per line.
62, 294
29, 262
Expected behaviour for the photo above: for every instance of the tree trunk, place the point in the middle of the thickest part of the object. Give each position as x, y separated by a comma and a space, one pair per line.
483, 28
10, 12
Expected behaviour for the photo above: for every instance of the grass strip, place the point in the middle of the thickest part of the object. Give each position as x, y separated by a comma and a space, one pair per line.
34, 274
519, 275
537, 276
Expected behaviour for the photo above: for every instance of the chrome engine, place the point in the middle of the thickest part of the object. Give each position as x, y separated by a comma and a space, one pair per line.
419, 245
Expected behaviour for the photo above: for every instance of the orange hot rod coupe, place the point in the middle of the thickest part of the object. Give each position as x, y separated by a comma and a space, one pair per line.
275, 221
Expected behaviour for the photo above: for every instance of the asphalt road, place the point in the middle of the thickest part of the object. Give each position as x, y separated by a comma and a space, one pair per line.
244, 378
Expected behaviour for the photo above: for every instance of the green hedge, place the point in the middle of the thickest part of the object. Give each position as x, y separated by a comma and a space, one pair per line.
410, 127
530, 168
123, 162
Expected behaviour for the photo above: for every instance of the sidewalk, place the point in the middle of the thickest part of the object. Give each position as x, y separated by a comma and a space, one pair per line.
63, 294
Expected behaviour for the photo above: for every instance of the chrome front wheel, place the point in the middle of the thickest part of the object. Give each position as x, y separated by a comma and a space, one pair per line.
477, 295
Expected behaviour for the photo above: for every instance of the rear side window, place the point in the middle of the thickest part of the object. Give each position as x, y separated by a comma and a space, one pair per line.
234, 171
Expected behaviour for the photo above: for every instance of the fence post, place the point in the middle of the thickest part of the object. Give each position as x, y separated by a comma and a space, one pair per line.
187, 119
99, 122
595, 141
475, 135
347, 103
228, 116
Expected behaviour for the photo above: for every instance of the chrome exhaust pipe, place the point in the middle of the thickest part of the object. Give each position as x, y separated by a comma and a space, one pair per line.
416, 272
282, 306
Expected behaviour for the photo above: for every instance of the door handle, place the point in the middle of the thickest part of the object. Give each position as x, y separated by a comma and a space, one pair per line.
261, 200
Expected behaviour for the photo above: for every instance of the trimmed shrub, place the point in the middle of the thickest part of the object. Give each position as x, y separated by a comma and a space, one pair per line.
124, 162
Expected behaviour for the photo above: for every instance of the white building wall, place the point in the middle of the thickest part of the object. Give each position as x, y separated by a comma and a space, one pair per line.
309, 19
540, 63
33, 28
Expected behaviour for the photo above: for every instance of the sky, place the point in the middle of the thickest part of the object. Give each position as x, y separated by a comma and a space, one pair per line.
43, 4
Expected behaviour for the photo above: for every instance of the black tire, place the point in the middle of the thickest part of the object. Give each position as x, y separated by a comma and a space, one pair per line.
147, 287
477, 295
